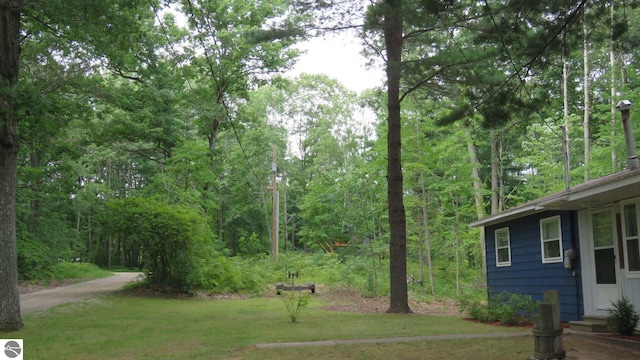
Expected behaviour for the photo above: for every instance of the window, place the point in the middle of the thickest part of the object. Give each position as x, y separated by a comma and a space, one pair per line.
551, 240
630, 237
503, 247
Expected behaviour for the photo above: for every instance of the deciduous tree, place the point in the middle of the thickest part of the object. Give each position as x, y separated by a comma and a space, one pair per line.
10, 16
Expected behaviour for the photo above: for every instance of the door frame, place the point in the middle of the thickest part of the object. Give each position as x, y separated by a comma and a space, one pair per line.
605, 293
587, 260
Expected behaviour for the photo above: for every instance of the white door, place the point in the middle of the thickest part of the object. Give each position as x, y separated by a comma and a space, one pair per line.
603, 235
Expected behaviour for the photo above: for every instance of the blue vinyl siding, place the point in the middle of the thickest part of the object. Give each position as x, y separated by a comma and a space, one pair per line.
527, 274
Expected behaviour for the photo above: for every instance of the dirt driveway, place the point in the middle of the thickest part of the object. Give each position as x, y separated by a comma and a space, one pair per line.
44, 299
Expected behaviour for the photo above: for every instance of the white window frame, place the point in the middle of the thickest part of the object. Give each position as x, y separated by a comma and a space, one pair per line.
625, 237
551, 260
508, 247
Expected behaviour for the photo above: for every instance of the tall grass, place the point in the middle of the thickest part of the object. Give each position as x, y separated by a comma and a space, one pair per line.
76, 270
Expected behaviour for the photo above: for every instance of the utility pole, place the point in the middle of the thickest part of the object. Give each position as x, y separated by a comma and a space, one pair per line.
275, 218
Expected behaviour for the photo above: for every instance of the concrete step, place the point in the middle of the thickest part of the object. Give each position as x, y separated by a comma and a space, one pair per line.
589, 326
596, 318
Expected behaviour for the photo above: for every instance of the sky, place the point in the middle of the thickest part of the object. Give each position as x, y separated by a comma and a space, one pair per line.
338, 57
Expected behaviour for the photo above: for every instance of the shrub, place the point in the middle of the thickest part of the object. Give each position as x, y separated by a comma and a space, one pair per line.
295, 302
217, 274
174, 239
34, 259
506, 308
252, 245
371, 287
624, 316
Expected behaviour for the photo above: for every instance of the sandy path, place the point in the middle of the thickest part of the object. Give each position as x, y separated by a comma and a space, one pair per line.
44, 299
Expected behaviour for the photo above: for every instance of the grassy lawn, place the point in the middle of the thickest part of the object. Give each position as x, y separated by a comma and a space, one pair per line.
121, 327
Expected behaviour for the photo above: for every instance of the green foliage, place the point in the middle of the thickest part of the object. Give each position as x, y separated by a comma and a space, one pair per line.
295, 302
354, 272
371, 289
116, 112
77, 270
217, 274
34, 259
252, 245
624, 317
174, 239
506, 308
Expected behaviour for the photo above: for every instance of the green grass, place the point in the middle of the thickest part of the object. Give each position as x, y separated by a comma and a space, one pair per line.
80, 271
120, 327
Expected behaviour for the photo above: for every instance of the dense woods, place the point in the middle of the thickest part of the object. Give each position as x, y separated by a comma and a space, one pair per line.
148, 128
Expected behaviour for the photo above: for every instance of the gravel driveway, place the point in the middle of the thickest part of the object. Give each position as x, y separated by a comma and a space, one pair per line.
44, 299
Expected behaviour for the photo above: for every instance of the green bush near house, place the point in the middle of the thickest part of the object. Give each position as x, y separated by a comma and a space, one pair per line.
506, 308
623, 317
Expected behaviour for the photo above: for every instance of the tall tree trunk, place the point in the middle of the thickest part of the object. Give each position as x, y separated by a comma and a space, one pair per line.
109, 239
427, 244
565, 112
456, 208
10, 316
374, 239
285, 217
587, 101
477, 189
501, 197
612, 69
495, 194
427, 233
397, 218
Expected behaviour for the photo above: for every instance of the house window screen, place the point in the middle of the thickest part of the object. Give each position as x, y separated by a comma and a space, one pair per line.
630, 235
605, 266
503, 247
551, 240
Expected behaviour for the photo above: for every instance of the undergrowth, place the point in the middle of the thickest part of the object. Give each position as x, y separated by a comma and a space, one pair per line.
505, 308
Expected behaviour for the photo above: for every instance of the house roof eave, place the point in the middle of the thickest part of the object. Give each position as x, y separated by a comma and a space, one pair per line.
617, 186
503, 216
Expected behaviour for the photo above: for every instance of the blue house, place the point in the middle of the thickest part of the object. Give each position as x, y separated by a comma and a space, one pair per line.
583, 242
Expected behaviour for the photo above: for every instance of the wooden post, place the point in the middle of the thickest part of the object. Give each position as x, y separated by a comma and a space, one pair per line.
547, 329
552, 297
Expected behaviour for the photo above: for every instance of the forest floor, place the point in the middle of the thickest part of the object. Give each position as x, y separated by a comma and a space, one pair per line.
347, 300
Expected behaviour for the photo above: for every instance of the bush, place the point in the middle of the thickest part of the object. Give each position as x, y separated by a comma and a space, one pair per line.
217, 274
295, 302
252, 245
506, 308
34, 260
624, 316
174, 239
